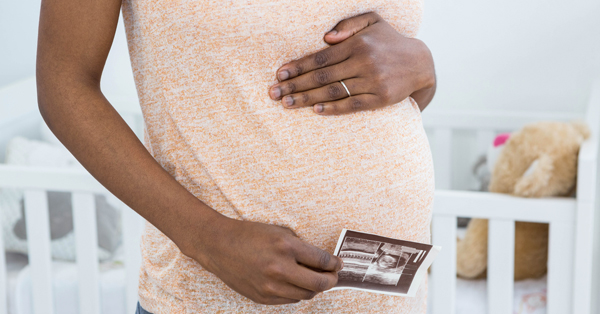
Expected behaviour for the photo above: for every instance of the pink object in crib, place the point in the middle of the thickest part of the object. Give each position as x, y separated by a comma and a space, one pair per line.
501, 139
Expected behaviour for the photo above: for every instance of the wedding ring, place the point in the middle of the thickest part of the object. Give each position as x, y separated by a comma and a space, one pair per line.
346, 88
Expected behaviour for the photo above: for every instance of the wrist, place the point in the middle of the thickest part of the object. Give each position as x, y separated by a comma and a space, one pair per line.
205, 233
196, 227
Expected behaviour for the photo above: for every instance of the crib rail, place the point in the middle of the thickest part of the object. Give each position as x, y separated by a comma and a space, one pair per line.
491, 120
35, 182
571, 221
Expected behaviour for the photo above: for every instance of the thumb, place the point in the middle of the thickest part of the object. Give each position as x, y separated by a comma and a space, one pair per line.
348, 27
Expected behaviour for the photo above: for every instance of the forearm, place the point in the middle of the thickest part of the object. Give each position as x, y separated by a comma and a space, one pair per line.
93, 131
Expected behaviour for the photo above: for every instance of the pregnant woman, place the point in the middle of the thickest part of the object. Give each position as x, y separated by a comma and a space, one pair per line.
264, 138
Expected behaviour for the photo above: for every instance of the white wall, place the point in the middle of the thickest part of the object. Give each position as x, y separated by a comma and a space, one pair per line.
18, 43
18, 39
513, 54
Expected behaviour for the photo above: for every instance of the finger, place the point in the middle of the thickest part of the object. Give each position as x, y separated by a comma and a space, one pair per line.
331, 92
311, 280
349, 104
315, 79
350, 26
293, 292
315, 257
276, 301
317, 60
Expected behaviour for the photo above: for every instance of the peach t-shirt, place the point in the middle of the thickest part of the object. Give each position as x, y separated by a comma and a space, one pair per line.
203, 69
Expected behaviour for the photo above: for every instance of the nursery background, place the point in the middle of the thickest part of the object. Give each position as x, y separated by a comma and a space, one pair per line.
504, 56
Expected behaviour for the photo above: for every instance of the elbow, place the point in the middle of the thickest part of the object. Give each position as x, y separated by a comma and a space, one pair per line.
43, 97
59, 90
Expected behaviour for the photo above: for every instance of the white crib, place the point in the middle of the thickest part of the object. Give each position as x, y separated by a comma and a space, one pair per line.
571, 220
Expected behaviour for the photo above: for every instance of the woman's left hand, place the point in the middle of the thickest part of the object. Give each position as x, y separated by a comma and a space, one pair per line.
378, 65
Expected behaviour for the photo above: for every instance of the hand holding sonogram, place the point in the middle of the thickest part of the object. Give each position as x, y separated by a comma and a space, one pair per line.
268, 264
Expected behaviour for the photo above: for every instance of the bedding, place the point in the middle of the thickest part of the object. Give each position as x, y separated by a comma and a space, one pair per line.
471, 296
529, 296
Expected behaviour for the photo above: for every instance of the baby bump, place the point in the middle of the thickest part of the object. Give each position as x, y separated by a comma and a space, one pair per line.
370, 172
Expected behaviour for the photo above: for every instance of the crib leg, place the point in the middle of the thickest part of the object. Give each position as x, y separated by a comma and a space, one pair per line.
38, 236
560, 268
86, 239
501, 254
443, 272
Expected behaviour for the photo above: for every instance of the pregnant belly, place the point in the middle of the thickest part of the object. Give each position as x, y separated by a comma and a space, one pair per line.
369, 171
248, 157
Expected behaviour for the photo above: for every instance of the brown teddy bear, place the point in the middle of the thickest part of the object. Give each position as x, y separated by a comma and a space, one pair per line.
538, 161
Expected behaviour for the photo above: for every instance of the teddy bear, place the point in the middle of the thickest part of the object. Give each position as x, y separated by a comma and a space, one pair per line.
540, 160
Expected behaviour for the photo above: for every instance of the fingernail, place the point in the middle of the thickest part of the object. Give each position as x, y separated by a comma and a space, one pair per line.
288, 100
341, 265
332, 32
319, 108
275, 92
283, 75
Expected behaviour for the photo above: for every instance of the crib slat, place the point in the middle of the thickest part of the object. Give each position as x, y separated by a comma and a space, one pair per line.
38, 242
560, 268
584, 231
132, 230
443, 272
3, 292
86, 241
583, 267
501, 254
442, 158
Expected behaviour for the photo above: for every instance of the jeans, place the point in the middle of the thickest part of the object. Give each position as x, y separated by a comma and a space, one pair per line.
140, 310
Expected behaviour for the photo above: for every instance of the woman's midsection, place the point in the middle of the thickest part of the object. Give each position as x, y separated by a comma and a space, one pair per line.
370, 171
212, 67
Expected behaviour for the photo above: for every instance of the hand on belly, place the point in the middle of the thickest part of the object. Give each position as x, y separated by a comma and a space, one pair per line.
370, 65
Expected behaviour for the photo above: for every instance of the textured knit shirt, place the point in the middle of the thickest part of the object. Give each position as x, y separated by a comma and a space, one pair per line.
203, 69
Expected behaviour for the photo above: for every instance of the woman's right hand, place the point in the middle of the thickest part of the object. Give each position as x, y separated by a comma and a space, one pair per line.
266, 263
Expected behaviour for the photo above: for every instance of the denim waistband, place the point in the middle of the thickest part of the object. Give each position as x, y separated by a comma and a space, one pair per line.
140, 310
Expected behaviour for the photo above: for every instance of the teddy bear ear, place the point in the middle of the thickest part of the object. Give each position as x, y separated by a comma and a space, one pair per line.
581, 128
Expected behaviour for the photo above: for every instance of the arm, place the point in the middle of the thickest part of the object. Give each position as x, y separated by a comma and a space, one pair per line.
73, 43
